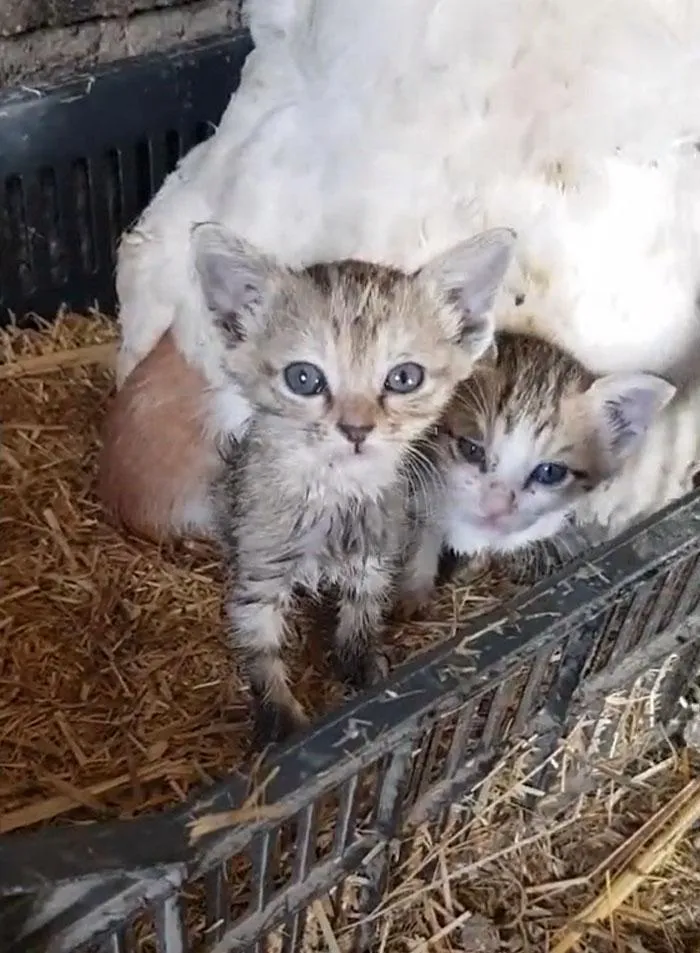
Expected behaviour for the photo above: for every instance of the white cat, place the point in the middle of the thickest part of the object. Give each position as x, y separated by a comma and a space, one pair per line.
389, 130
386, 131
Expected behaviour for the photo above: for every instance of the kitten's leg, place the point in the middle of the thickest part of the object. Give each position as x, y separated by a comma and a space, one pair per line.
364, 596
448, 563
417, 582
479, 563
258, 618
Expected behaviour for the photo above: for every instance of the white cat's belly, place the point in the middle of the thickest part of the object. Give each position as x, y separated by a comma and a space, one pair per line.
609, 272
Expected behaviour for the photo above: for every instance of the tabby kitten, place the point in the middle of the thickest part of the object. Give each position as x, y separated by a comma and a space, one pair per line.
347, 367
532, 441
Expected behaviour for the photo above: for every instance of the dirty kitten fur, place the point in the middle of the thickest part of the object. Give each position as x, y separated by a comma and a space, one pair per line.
347, 367
533, 440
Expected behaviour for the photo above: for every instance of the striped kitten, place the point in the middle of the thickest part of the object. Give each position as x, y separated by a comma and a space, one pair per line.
346, 367
533, 441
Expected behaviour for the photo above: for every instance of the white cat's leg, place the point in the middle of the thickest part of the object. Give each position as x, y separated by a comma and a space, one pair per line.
365, 591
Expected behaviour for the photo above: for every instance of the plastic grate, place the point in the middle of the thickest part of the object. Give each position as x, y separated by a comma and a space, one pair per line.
65, 199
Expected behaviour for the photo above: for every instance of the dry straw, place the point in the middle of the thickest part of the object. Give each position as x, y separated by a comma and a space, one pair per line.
119, 697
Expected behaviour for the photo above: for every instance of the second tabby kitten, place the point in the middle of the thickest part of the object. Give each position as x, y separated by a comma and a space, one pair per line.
347, 367
533, 440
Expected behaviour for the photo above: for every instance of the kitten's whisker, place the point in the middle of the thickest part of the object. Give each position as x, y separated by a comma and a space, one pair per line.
421, 492
431, 469
426, 468
474, 403
421, 452
425, 477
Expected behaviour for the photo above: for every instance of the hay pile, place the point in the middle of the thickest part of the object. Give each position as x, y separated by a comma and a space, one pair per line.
119, 696
613, 871
119, 692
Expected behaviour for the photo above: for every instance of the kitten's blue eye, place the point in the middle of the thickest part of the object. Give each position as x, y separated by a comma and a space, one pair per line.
549, 474
472, 451
404, 378
305, 379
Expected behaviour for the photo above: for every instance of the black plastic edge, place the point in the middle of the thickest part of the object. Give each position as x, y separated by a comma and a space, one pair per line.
85, 118
464, 666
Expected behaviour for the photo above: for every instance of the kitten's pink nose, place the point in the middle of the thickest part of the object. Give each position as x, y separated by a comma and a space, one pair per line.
355, 433
497, 501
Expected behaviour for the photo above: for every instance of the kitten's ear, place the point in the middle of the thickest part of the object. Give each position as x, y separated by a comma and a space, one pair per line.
234, 277
467, 277
625, 406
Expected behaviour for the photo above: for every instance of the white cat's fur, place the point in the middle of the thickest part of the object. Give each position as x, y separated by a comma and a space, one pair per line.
661, 471
388, 130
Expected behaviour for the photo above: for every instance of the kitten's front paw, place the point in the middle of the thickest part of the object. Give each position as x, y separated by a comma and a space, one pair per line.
363, 670
530, 566
448, 563
274, 723
413, 602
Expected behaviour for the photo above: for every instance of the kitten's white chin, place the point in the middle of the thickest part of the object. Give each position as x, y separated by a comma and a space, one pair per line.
468, 536
367, 473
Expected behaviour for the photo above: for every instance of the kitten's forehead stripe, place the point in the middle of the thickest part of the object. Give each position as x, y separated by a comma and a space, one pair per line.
535, 377
521, 407
356, 276
359, 286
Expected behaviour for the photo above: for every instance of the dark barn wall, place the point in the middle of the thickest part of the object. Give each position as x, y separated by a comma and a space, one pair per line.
53, 37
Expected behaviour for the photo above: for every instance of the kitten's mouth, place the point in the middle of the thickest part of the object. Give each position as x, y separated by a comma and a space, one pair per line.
499, 525
498, 522
347, 458
352, 452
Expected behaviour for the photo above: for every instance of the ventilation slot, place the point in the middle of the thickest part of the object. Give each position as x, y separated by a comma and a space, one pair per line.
192, 135
113, 195
144, 173
84, 219
173, 150
202, 131
50, 226
18, 263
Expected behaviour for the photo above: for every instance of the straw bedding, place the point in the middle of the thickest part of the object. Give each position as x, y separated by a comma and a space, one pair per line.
119, 696
121, 692
617, 870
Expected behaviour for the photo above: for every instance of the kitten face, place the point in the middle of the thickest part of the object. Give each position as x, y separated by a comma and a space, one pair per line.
347, 364
529, 436
349, 370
